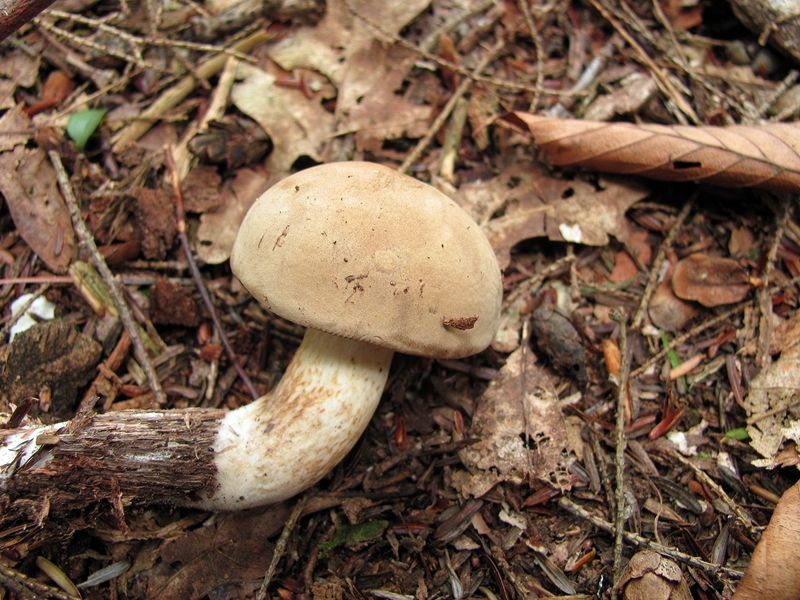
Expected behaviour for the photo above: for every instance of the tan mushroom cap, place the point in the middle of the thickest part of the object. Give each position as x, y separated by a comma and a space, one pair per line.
359, 250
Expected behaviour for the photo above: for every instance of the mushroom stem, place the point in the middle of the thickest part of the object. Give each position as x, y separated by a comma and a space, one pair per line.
285, 442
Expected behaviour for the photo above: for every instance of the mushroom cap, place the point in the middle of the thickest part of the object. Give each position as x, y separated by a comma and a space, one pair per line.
359, 250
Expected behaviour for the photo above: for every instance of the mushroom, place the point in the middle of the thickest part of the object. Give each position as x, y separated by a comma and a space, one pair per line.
371, 262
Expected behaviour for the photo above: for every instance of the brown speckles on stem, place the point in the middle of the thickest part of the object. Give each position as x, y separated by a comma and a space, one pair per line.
460, 323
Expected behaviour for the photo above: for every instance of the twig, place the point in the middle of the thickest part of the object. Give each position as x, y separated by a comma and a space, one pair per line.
429, 43
537, 45
134, 40
744, 517
28, 587
662, 79
22, 310
638, 540
178, 92
764, 297
198, 278
652, 280
102, 49
620, 445
414, 155
786, 83
113, 285
500, 83
280, 546
16, 13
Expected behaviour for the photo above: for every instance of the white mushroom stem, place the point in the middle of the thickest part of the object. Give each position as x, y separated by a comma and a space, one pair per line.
285, 442
261, 453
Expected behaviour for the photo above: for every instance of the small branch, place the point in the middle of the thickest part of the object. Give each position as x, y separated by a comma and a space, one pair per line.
660, 257
178, 92
280, 546
620, 445
448, 108
763, 296
742, 514
16, 13
27, 587
113, 285
638, 540
198, 278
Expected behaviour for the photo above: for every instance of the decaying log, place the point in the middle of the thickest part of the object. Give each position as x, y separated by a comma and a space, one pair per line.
116, 459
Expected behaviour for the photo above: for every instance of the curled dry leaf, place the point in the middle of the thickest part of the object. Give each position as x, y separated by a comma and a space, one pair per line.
522, 434
773, 571
764, 156
650, 576
771, 406
710, 280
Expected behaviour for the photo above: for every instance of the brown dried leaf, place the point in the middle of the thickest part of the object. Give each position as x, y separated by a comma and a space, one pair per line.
772, 409
667, 311
368, 103
772, 573
28, 184
231, 551
521, 431
218, 228
201, 189
765, 156
654, 577
710, 280
297, 125
534, 204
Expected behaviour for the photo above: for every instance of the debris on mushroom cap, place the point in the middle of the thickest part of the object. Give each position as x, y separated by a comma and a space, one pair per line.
360, 250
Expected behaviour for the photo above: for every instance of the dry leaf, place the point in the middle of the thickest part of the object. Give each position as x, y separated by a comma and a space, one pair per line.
667, 311
328, 46
297, 125
521, 432
28, 183
232, 550
368, 104
634, 91
741, 241
772, 408
710, 280
764, 156
218, 228
773, 572
624, 268
56, 88
534, 204
648, 575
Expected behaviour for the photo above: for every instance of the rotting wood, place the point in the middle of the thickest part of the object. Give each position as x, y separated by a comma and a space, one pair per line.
123, 458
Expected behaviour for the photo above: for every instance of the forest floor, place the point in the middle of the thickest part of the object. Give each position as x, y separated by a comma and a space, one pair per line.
639, 393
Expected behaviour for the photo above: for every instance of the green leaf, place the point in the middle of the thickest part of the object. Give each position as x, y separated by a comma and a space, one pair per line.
82, 125
674, 359
740, 433
350, 535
